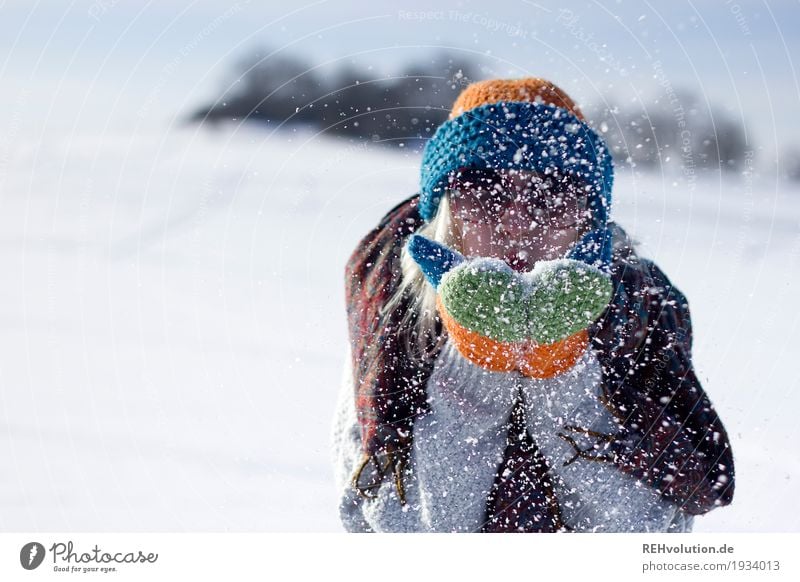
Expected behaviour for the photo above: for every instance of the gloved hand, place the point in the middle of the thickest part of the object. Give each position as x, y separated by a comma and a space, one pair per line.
502, 320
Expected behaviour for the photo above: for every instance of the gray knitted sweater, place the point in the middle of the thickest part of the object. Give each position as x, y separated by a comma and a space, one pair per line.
458, 446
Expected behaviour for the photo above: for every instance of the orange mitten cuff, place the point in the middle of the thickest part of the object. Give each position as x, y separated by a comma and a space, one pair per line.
529, 358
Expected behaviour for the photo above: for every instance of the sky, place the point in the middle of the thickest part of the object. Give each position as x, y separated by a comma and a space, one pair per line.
120, 65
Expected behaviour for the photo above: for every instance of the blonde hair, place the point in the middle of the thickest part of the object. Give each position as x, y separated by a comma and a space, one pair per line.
418, 325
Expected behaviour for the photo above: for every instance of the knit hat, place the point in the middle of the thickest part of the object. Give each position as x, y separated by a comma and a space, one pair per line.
525, 124
531, 89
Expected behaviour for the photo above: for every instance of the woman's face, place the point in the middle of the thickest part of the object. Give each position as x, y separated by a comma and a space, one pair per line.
520, 217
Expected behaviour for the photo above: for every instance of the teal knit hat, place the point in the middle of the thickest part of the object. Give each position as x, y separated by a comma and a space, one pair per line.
524, 135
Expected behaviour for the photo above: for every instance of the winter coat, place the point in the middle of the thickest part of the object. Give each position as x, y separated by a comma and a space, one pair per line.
627, 440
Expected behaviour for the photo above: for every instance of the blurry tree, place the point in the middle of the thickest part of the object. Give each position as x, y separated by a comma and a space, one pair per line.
352, 100
683, 132
790, 162
348, 100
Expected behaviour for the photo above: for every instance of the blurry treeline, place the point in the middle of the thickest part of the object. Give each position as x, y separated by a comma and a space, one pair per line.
405, 109
685, 133
346, 100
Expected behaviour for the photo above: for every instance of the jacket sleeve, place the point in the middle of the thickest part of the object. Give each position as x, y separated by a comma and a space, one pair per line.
567, 411
383, 512
671, 436
457, 447
346, 453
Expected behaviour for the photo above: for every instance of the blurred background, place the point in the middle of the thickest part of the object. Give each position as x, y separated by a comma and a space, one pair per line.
181, 184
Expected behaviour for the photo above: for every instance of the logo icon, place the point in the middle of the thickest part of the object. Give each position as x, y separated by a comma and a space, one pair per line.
31, 555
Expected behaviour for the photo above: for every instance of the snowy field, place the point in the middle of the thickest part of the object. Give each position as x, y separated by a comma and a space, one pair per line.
172, 324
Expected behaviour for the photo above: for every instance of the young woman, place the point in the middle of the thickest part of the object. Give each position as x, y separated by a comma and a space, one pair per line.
514, 364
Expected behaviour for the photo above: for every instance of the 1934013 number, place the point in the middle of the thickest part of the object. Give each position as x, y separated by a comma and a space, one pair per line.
758, 565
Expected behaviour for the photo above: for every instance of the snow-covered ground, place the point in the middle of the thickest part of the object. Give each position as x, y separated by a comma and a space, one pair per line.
172, 324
